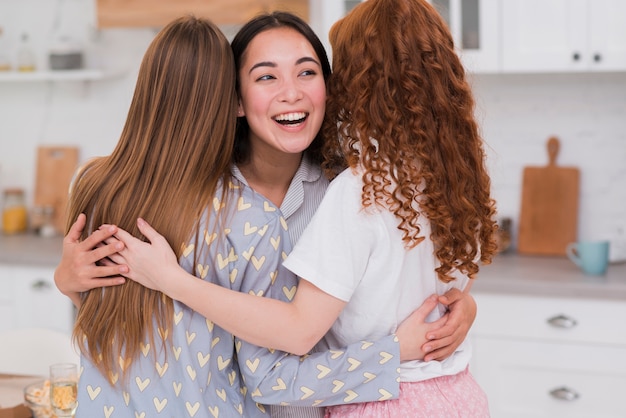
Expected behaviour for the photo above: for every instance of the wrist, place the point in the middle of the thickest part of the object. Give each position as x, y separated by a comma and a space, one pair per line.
178, 283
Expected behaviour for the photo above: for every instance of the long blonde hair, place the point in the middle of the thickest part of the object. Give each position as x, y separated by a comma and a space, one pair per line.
397, 79
175, 147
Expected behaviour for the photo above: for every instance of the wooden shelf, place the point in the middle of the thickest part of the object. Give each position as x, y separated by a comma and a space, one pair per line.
157, 13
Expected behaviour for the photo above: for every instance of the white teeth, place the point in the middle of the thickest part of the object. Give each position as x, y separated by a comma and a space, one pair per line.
290, 116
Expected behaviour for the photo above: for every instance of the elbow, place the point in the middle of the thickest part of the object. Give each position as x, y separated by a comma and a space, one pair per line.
303, 344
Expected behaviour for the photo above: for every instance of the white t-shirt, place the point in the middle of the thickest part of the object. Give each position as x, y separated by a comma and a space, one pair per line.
357, 255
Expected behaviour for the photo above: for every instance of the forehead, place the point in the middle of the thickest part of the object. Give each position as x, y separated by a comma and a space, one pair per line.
278, 45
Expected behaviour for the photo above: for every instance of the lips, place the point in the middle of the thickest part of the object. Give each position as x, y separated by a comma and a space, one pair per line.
293, 118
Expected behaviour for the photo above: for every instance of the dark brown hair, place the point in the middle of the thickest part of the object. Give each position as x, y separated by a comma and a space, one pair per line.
242, 39
402, 108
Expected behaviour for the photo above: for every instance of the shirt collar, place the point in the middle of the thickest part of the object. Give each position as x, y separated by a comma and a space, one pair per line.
308, 172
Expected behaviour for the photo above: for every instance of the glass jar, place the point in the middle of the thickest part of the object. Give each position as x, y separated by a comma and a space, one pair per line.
25, 55
503, 236
5, 63
14, 218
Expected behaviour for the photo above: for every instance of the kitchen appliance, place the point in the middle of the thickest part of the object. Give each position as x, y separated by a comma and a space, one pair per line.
65, 55
549, 212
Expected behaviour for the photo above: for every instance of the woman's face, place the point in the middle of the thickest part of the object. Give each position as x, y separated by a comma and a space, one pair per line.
282, 91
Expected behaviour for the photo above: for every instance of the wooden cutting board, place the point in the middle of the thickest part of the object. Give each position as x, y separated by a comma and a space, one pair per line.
549, 213
55, 168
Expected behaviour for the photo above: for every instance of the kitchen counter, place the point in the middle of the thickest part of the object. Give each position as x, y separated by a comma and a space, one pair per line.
549, 276
509, 273
30, 250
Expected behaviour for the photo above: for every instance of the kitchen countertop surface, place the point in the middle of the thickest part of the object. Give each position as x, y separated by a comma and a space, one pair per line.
30, 250
509, 273
549, 276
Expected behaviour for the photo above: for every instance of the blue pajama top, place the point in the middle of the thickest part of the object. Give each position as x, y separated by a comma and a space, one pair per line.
202, 369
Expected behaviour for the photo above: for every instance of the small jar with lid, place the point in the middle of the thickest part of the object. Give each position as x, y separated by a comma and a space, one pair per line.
5, 62
25, 55
14, 215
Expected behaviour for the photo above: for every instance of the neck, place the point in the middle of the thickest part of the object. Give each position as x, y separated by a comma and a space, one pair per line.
271, 177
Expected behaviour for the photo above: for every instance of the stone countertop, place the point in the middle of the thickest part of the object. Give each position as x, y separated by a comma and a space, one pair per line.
549, 276
30, 250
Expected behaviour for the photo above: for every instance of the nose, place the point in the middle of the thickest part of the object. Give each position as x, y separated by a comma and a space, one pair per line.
291, 92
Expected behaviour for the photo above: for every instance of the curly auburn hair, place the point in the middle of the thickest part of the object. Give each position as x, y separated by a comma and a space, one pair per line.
402, 109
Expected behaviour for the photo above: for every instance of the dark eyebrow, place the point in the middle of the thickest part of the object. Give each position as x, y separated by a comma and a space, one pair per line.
307, 59
273, 64
262, 64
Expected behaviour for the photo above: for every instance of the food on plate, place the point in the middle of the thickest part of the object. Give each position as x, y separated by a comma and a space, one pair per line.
37, 397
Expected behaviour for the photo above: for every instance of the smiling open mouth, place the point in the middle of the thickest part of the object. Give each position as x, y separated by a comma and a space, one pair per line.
291, 118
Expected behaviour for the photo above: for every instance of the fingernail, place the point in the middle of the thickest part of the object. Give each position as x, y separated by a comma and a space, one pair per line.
119, 246
427, 348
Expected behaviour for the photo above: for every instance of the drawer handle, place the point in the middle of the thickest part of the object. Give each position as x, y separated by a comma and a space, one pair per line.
41, 285
562, 321
564, 394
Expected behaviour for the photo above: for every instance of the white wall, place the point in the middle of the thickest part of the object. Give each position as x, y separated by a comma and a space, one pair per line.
587, 112
517, 112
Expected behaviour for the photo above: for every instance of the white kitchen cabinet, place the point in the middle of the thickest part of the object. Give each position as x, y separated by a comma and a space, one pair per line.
475, 28
550, 356
7, 300
29, 298
474, 25
563, 35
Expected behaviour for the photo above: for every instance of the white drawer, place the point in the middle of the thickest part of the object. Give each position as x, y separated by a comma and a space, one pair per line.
534, 379
550, 319
7, 292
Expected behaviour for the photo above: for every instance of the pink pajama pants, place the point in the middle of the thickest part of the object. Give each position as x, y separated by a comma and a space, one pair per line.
442, 397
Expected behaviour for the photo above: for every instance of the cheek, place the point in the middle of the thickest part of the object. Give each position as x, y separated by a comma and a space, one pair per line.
253, 103
318, 96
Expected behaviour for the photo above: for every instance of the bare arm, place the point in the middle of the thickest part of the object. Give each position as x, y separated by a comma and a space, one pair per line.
79, 269
293, 327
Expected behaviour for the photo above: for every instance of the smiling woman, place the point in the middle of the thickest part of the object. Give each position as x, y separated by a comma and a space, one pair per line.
282, 97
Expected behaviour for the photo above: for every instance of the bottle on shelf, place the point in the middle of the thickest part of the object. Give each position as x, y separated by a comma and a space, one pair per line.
25, 55
5, 63
503, 236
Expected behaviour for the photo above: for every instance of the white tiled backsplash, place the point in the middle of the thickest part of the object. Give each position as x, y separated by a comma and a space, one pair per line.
518, 113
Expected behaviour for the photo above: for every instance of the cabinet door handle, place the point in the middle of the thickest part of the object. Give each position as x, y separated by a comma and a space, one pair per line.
564, 394
562, 321
597, 57
41, 285
576, 56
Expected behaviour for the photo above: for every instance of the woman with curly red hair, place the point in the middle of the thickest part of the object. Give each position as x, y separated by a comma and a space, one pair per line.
415, 199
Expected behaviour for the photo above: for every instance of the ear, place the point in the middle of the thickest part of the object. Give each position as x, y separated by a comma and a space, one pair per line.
240, 112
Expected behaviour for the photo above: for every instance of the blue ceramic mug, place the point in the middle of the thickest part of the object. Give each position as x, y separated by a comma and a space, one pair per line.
591, 256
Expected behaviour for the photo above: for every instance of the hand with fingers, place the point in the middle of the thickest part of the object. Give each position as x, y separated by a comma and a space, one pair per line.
84, 264
443, 341
151, 263
413, 330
